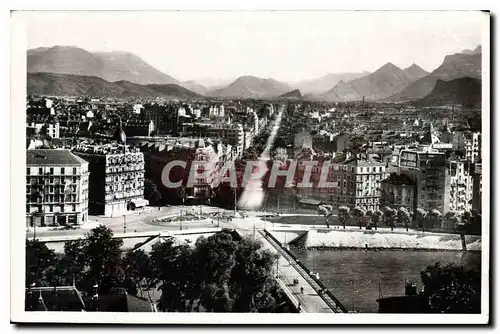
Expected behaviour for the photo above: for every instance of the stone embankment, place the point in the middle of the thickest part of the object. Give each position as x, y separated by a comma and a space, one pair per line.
352, 239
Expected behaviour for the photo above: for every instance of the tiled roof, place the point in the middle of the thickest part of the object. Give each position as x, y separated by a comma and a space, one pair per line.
57, 157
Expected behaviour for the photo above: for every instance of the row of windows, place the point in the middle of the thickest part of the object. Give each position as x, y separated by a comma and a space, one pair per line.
52, 208
50, 170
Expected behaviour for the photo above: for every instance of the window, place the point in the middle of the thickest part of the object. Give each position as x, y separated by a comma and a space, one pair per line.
62, 170
28, 171
51, 170
40, 171
74, 171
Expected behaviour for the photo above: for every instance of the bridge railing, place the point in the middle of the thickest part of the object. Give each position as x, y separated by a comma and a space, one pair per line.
338, 304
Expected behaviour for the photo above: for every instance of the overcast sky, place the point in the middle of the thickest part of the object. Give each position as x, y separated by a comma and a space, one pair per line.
287, 46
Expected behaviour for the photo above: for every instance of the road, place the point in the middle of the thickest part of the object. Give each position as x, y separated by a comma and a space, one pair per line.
143, 221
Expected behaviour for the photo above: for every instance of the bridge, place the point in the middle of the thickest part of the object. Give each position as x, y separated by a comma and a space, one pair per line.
292, 275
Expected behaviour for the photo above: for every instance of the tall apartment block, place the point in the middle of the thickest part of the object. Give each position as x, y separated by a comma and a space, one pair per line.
116, 178
359, 178
57, 188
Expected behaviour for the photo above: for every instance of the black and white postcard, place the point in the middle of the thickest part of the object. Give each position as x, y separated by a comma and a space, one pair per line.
262, 167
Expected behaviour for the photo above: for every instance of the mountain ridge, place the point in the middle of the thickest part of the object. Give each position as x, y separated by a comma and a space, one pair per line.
43, 83
454, 66
110, 66
465, 90
384, 82
249, 86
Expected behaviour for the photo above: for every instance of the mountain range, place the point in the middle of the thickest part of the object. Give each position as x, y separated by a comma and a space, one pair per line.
252, 87
465, 91
384, 82
454, 66
78, 85
125, 74
326, 82
110, 66
292, 95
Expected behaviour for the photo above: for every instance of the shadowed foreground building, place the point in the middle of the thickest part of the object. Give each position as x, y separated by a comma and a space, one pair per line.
69, 298
116, 178
56, 188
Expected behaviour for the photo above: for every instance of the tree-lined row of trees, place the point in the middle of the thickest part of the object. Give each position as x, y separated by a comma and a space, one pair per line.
421, 219
221, 273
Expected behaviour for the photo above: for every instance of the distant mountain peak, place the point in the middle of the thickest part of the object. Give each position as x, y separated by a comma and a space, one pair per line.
249, 86
294, 94
413, 66
389, 66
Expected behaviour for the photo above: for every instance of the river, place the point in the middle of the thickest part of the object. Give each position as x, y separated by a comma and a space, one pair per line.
348, 271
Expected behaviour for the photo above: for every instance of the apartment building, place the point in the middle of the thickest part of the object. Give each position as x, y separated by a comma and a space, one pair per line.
398, 191
473, 146
116, 181
57, 188
461, 186
477, 187
359, 177
429, 170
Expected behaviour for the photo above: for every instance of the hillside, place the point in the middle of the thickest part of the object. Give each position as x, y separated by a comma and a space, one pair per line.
326, 82
465, 91
77, 85
415, 72
195, 87
453, 67
252, 87
110, 66
294, 94
386, 81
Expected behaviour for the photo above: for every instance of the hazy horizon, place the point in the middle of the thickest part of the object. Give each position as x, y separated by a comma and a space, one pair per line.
287, 46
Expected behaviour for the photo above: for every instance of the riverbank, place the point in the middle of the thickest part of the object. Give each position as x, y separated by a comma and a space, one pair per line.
383, 240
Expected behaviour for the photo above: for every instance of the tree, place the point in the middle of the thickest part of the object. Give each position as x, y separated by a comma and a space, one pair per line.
40, 263
451, 220
452, 288
389, 215
358, 213
466, 218
404, 217
325, 211
138, 271
343, 214
172, 272
434, 217
234, 274
151, 193
420, 217
96, 259
377, 218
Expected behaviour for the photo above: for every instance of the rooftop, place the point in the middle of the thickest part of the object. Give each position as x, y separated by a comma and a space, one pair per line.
55, 157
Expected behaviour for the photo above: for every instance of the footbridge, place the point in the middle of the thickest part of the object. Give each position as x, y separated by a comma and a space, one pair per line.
307, 293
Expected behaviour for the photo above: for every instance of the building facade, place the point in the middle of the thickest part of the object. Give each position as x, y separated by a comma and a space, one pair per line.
398, 191
477, 186
359, 178
116, 182
473, 146
461, 186
57, 188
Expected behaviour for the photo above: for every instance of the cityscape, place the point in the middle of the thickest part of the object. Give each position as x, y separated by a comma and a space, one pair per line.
355, 192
